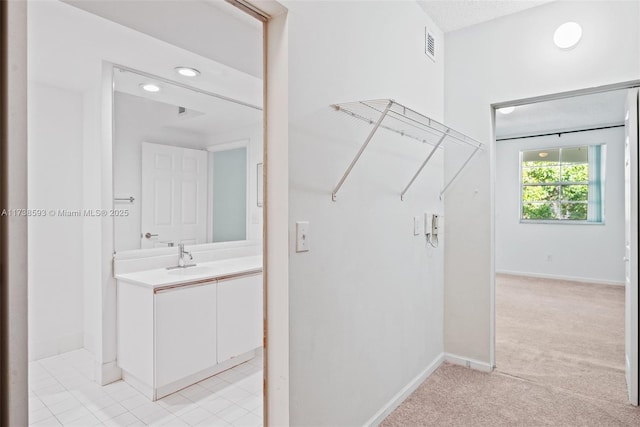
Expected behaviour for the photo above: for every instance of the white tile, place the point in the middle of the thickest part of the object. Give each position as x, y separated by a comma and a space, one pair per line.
72, 381
134, 402
176, 403
169, 421
249, 420
150, 412
39, 384
213, 421
110, 412
53, 398
216, 405
35, 404
97, 402
39, 414
64, 406
235, 394
117, 387
123, 420
52, 389
232, 413
250, 403
195, 416
87, 421
195, 393
72, 414
49, 422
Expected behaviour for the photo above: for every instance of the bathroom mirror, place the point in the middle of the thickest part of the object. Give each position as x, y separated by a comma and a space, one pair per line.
185, 164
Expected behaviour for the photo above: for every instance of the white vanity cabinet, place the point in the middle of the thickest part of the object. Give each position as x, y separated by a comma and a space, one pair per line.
173, 335
240, 317
185, 332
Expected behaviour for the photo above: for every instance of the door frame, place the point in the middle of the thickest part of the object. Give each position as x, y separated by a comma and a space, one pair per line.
13, 275
492, 176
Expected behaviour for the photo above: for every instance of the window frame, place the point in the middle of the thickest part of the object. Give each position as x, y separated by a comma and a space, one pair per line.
560, 184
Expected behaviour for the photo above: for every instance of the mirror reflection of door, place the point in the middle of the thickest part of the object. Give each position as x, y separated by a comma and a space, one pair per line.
174, 194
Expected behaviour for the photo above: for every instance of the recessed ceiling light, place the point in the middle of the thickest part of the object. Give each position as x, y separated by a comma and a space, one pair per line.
187, 71
150, 87
506, 110
567, 35
543, 154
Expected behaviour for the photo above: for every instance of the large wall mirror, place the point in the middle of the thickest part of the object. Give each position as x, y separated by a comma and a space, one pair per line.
184, 164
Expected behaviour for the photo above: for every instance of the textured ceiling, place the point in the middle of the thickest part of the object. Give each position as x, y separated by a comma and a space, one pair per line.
451, 15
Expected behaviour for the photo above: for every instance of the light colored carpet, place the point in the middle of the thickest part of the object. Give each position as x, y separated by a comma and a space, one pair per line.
559, 357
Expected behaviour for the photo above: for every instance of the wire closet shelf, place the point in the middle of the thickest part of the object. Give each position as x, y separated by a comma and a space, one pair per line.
394, 117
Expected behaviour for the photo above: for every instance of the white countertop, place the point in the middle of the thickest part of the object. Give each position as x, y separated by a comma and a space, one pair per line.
213, 270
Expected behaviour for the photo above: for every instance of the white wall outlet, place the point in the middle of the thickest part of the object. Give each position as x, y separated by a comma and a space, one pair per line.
418, 225
302, 236
549, 257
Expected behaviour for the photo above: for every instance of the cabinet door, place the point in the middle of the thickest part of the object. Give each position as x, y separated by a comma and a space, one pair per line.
185, 331
240, 322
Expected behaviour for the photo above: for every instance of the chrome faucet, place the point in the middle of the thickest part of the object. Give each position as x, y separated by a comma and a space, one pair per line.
181, 262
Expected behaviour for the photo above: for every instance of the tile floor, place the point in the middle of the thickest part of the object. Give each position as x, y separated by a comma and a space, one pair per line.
62, 393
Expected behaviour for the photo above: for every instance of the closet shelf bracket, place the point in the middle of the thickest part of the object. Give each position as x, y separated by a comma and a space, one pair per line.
401, 120
459, 171
334, 193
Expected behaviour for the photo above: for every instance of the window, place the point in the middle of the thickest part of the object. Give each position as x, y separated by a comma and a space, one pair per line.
563, 184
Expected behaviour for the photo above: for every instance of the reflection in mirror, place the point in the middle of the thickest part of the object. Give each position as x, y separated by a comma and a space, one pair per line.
188, 159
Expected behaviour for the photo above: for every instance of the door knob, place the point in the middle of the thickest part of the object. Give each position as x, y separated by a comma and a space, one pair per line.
625, 259
149, 235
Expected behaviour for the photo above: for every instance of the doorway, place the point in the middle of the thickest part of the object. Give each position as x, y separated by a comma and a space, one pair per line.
560, 241
80, 352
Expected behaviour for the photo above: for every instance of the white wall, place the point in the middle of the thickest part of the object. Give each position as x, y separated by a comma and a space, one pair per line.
507, 59
366, 300
55, 241
578, 252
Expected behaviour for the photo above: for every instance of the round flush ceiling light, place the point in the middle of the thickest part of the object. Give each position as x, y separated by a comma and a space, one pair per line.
187, 71
506, 110
543, 154
150, 87
567, 35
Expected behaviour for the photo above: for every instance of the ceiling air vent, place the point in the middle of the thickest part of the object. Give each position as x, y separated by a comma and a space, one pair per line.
429, 44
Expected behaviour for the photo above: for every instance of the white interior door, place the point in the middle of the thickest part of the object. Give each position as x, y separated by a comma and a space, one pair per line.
631, 245
174, 195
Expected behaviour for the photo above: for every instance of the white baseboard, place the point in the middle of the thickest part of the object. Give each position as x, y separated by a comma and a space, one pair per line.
560, 277
469, 363
405, 392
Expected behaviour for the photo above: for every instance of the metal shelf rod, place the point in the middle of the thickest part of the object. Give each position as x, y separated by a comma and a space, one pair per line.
357, 157
423, 164
459, 171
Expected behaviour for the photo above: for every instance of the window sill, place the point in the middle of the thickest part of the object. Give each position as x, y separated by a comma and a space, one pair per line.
559, 222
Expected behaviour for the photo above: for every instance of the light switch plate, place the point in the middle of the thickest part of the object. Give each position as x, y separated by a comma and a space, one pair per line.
302, 236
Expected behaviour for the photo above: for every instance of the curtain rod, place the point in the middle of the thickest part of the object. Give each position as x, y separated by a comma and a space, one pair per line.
558, 133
